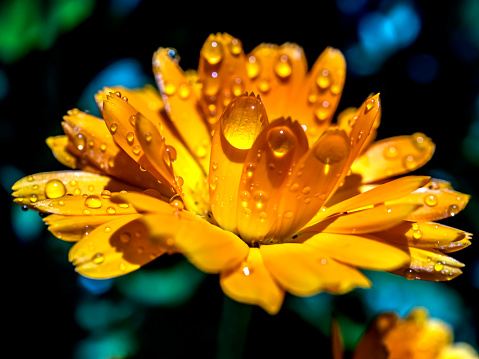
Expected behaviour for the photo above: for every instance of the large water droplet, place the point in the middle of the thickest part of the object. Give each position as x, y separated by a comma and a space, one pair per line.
431, 200
283, 68
410, 274
113, 128
323, 80
260, 199
409, 162
177, 202
54, 189
439, 266
171, 153
264, 85
93, 201
212, 51
130, 137
417, 234
253, 67
281, 140
452, 210
331, 149
169, 88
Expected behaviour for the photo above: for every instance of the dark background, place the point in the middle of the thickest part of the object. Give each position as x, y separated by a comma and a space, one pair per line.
429, 82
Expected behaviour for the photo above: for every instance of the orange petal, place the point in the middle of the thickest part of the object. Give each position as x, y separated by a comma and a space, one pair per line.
181, 104
46, 185
386, 192
222, 73
277, 72
311, 181
361, 251
208, 247
238, 127
435, 204
317, 98
74, 228
374, 219
427, 235
251, 283
393, 156
430, 265
301, 270
275, 151
114, 248
93, 205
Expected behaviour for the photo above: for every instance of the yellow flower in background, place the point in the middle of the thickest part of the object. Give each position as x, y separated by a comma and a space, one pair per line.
415, 337
239, 167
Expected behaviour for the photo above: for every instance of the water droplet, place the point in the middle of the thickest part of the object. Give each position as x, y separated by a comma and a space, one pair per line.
86, 212
322, 111
332, 149
130, 137
123, 205
118, 93
431, 200
260, 198
122, 267
93, 201
252, 67
201, 151
111, 210
410, 274
235, 47
61, 203
237, 87
263, 215
415, 227
105, 194
107, 229
125, 237
91, 188
312, 96
250, 170
171, 153
98, 258
452, 210
420, 141
54, 189
179, 181
113, 128
390, 152
80, 141
283, 67
294, 187
103, 147
323, 81
417, 234
288, 215
214, 166
148, 137
35, 187
335, 88
184, 91
212, 51
439, 266
370, 103
30, 178
281, 140
169, 88
33, 198
247, 211
77, 191
132, 120
307, 200
306, 190
264, 85
136, 149
409, 162
177, 202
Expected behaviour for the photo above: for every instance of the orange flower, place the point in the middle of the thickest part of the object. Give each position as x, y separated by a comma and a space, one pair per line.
415, 337
237, 186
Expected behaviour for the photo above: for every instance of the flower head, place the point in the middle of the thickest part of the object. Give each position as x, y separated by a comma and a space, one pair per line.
239, 167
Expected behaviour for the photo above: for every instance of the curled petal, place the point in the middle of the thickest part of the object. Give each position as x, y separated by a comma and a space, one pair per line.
49, 185
311, 182
277, 72
237, 129
393, 156
74, 228
301, 270
427, 235
251, 283
435, 204
317, 98
361, 251
114, 248
181, 104
429, 264
278, 147
222, 73
374, 219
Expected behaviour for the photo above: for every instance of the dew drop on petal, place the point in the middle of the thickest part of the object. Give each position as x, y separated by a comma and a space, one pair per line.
184, 91
93, 201
415, 227
260, 199
212, 51
169, 88
132, 120
438, 266
280, 140
332, 149
452, 210
410, 274
264, 85
391, 152
179, 180
171, 153
283, 68
323, 80
177, 202
252, 67
148, 137
288, 215
111, 210
103, 147
431, 200
214, 166
113, 128
80, 141
294, 187
370, 103
30, 178
237, 87
105, 194
409, 162
262, 215
235, 47
136, 149
98, 258
130, 136
125, 237
55, 189
417, 234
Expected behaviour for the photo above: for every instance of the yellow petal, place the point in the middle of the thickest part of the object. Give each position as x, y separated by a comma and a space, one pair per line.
311, 182
302, 270
237, 129
430, 265
46, 185
435, 204
275, 151
181, 104
386, 192
222, 73
114, 248
251, 283
208, 247
277, 73
374, 219
361, 251
92, 205
317, 98
74, 228
393, 156
427, 235
59, 145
